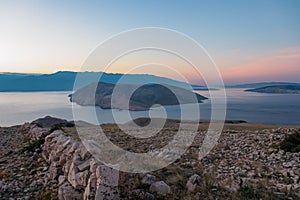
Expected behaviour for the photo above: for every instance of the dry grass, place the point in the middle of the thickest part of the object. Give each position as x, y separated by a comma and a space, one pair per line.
5, 175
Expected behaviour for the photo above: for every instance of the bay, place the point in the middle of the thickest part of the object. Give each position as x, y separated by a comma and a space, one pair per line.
20, 107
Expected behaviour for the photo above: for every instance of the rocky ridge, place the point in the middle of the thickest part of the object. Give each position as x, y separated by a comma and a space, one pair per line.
55, 166
79, 176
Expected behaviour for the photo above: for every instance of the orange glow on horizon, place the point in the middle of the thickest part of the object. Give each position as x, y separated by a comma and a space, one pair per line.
283, 65
279, 66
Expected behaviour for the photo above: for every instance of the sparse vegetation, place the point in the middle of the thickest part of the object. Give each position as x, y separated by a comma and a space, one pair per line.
291, 143
54, 128
36, 144
248, 192
26, 138
46, 195
5, 174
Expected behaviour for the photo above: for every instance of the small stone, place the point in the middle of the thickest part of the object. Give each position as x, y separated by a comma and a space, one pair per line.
81, 179
61, 179
67, 192
148, 179
32, 184
85, 165
149, 196
160, 187
193, 182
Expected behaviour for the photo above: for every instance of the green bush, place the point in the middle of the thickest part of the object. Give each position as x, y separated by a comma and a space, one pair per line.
291, 143
33, 146
248, 192
54, 128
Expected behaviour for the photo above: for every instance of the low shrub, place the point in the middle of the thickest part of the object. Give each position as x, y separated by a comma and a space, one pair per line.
248, 192
33, 146
291, 143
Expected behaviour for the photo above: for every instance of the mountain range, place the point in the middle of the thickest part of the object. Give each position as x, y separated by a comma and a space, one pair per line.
64, 81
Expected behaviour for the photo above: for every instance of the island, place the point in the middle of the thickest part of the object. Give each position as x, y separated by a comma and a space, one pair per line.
277, 89
260, 84
143, 96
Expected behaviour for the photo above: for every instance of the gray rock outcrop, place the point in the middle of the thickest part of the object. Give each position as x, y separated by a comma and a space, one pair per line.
75, 169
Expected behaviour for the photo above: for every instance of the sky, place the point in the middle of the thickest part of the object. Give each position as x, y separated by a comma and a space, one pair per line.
250, 41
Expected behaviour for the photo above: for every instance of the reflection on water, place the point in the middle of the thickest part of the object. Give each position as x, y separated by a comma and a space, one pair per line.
17, 108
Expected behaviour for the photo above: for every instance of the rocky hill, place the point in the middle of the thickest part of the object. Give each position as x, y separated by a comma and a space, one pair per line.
100, 94
44, 161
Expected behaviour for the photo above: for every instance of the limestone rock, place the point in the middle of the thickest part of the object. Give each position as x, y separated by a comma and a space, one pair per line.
148, 179
85, 165
81, 179
160, 187
193, 182
72, 175
107, 183
67, 192
61, 179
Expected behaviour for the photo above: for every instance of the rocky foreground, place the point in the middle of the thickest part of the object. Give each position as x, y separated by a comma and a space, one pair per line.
47, 161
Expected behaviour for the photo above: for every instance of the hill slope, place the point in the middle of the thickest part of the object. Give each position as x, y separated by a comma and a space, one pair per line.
100, 94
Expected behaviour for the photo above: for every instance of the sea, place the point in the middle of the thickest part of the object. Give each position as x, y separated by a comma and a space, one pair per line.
279, 109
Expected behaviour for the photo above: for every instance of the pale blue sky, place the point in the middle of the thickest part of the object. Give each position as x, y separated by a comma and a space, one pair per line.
50, 35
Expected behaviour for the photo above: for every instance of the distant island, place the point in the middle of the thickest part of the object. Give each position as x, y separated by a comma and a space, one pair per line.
278, 89
145, 96
260, 84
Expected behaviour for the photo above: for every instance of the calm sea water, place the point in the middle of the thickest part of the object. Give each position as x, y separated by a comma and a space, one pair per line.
18, 108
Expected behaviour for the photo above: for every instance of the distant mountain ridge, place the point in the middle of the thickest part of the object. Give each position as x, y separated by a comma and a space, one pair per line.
260, 84
64, 81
